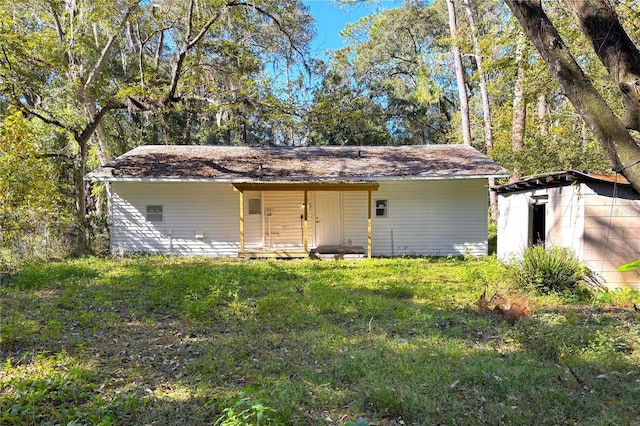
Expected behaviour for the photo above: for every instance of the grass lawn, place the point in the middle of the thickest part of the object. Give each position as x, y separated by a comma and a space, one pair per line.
161, 340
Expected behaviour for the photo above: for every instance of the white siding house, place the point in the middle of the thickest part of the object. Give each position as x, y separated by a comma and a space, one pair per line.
596, 216
286, 202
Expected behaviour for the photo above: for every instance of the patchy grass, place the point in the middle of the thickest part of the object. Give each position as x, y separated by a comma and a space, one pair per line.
159, 340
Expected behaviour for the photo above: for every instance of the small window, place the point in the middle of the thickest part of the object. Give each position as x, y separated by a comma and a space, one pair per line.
254, 206
155, 214
381, 208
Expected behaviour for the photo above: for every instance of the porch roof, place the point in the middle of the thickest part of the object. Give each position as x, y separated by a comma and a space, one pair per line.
302, 165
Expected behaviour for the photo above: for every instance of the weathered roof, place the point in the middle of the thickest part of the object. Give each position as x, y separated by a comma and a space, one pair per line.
241, 164
554, 179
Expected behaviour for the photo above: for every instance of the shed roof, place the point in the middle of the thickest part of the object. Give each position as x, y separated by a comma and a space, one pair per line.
555, 179
335, 164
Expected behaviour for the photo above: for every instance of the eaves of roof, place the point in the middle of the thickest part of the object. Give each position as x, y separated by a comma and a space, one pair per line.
555, 179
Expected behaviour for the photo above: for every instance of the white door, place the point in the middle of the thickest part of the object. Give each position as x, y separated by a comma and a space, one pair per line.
328, 223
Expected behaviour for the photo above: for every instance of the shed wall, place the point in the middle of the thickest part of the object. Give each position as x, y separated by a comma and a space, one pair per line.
612, 232
565, 217
513, 224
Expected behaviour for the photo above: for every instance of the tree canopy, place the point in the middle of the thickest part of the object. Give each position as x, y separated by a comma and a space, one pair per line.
81, 82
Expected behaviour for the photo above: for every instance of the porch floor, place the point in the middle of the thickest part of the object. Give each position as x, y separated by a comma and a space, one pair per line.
273, 253
320, 252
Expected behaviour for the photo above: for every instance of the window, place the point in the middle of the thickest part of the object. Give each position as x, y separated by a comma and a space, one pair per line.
155, 214
381, 208
254, 206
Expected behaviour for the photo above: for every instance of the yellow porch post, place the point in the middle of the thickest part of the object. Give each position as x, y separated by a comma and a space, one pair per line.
241, 221
306, 224
369, 226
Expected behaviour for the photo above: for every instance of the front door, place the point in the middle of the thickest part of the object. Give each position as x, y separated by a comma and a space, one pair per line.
328, 223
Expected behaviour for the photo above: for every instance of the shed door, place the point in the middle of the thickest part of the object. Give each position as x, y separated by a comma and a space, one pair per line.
328, 221
537, 225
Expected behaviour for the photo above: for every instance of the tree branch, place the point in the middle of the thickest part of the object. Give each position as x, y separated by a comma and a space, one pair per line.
191, 41
292, 43
95, 120
48, 120
59, 29
107, 49
176, 71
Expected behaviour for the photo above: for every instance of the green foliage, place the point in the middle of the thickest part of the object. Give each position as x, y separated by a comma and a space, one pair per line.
33, 209
55, 390
388, 86
246, 412
554, 269
629, 266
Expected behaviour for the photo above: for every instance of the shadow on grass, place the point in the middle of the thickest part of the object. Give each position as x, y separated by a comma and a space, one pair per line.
173, 341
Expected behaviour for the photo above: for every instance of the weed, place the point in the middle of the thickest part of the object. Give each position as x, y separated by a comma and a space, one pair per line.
245, 411
554, 269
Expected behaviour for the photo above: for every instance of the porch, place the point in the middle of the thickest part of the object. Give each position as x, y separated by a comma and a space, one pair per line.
329, 252
281, 227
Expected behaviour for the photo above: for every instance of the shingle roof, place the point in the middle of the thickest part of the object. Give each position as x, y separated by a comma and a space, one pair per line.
298, 164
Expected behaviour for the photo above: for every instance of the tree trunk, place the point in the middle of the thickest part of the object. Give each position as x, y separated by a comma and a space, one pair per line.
599, 23
607, 128
81, 194
542, 114
484, 93
519, 120
462, 89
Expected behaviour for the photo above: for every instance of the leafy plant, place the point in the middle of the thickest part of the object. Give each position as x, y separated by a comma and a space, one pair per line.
630, 266
246, 412
556, 269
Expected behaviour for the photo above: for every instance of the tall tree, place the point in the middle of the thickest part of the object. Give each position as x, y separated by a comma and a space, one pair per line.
482, 78
457, 60
600, 25
341, 113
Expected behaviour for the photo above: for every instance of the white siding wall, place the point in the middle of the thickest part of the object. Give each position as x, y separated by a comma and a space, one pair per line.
286, 227
354, 213
189, 208
513, 224
438, 217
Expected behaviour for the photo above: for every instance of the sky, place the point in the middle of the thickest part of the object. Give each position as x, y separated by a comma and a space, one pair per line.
331, 18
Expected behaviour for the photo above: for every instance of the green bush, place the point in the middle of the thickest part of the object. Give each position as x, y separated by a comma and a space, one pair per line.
556, 269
